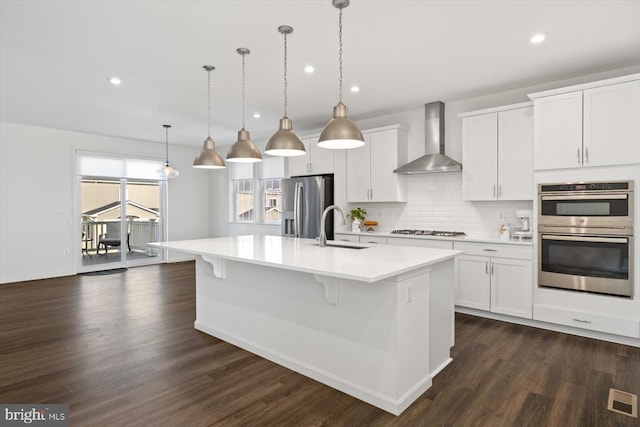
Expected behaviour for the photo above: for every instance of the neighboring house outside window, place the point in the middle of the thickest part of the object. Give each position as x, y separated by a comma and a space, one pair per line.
243, 199
272, 190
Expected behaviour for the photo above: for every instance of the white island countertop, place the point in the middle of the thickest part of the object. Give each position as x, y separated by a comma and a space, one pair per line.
370, 264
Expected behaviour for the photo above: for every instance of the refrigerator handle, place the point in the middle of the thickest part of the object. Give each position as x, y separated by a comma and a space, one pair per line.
297, 210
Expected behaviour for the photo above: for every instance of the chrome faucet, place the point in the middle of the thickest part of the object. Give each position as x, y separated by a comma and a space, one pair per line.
322, 240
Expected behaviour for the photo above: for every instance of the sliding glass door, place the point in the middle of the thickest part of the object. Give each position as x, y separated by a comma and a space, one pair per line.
119, 218
120, 208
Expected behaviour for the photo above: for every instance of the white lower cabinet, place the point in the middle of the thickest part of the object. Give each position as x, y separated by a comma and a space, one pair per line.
374, 240
347, 238
474, 282
421, 243
605, 321
495, 277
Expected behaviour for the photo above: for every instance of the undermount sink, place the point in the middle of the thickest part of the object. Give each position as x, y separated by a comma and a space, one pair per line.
334, 244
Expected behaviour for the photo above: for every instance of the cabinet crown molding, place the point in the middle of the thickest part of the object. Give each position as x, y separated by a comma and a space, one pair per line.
583, 86
497, 109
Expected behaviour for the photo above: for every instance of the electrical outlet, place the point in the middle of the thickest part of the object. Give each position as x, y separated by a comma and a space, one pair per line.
500, 216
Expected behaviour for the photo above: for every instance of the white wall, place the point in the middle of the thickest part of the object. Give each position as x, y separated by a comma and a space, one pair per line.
36, 197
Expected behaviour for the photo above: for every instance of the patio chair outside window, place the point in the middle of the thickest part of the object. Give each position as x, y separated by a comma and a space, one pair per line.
111, 238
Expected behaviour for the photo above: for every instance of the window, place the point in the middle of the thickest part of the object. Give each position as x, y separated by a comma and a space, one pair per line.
243, 199
272, 191
256, 191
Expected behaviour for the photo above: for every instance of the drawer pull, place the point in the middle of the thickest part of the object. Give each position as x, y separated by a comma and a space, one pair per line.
490, 250
372, 242
582, 321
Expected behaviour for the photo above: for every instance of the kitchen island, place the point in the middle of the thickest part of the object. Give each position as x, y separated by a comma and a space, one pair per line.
375, 322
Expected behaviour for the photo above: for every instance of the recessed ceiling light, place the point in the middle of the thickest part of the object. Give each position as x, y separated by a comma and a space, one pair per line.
355, 89
115, 81
256, 115
309, 69
538, 38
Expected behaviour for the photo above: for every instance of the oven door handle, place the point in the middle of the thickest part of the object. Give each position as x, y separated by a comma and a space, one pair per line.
586, 239
587, 197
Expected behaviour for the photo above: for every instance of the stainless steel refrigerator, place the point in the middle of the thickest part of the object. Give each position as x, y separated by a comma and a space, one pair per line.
303, 201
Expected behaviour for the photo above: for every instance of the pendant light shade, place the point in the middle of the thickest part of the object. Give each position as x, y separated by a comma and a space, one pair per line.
208, 158
167, 171
341, 132
285, 142
243, 150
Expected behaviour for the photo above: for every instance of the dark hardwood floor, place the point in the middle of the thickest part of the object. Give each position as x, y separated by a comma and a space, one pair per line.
121, 350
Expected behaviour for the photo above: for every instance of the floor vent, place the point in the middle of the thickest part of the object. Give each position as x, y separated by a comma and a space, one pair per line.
623, 403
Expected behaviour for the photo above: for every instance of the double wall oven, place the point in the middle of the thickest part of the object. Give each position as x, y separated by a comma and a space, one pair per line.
585, 237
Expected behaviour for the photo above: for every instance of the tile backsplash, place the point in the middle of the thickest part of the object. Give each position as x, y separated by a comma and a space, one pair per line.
434, 202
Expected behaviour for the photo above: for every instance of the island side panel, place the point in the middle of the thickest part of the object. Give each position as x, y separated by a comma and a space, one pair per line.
441, 315
283, 315
413, 295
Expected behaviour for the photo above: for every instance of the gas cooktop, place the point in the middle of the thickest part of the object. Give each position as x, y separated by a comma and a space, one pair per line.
430, 233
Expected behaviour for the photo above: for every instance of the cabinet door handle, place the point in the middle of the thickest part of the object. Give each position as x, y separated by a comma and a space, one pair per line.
494, 191
586, 155
581, 320
486, 267
499, 190
492, 271
490, 250
372, 194
578, 155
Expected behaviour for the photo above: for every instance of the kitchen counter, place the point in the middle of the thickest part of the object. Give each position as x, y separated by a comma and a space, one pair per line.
472, 238
369, 263
376, 323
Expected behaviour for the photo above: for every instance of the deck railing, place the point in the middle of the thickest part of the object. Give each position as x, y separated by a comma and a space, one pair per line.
139, 234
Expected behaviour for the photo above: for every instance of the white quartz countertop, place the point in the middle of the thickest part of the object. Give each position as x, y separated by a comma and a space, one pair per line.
371, 264
477, 239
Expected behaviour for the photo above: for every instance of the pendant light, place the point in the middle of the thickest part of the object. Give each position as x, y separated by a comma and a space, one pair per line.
243, 150
285, 142
341, 132
208, 158
167, 171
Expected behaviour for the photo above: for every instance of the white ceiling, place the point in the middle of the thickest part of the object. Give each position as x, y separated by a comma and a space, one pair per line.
56, 58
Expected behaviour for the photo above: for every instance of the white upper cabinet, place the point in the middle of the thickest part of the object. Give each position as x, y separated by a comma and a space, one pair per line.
557, 131
316, 161
497, 148
370, 176
597, 124
515, 154
612, 124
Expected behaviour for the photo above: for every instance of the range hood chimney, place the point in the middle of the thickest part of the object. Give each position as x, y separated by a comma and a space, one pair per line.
434, 161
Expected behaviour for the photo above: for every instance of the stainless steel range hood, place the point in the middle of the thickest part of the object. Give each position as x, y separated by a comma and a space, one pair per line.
434, 161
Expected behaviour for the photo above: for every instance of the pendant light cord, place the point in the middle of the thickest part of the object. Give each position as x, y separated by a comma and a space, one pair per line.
209, 102
340, 51
285, 75
166, 132
243, 77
